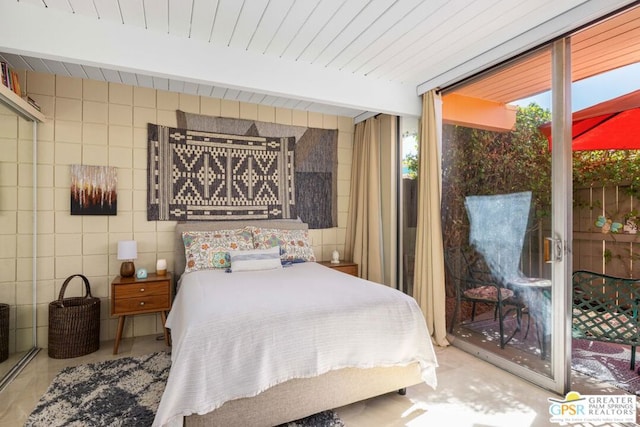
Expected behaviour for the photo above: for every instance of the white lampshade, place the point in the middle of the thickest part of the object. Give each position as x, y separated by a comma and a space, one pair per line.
127, 250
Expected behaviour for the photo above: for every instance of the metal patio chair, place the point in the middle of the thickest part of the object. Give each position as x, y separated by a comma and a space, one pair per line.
475, 284
498, 224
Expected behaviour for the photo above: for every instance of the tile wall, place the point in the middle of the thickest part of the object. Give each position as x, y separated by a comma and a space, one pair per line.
99, 123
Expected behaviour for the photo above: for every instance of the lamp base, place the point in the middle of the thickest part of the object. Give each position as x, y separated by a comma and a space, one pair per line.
127, 269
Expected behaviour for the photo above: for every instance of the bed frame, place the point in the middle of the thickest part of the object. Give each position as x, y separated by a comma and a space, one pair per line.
301, 397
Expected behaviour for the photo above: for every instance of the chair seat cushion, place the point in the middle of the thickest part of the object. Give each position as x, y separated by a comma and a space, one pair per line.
488, 293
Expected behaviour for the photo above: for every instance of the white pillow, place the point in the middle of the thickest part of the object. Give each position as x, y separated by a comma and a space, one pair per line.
255, 259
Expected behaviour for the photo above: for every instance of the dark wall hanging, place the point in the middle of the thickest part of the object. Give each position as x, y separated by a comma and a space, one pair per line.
195, 175
316, 161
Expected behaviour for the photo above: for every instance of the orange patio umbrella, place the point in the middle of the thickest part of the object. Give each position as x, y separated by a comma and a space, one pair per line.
610, 125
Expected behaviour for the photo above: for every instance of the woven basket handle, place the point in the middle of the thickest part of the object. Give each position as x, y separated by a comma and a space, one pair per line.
66, 282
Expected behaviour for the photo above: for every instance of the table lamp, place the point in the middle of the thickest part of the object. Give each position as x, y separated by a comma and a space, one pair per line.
127, 252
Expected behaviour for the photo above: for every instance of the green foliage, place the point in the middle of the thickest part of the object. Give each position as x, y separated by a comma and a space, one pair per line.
485, 162
410, 160
607, 168
477, 162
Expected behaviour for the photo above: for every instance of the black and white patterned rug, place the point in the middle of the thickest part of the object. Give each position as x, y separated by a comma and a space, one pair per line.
120, 392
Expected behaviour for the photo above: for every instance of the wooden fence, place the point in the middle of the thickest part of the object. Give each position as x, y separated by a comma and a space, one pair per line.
594, 249
613, 253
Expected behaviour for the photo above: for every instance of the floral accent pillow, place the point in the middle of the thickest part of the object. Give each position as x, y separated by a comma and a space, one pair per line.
294, 244
210, 249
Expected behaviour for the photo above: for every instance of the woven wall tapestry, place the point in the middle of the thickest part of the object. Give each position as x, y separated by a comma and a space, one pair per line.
316, 165
196, 175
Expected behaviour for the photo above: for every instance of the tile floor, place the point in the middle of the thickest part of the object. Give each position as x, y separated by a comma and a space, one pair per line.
470, 393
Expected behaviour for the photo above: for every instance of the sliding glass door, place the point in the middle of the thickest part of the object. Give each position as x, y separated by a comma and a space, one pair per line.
506, 219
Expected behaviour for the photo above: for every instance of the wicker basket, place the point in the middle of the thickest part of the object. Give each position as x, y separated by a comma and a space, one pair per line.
74, 323
4, 332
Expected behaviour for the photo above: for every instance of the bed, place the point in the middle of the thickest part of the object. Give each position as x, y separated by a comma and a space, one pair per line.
264, 347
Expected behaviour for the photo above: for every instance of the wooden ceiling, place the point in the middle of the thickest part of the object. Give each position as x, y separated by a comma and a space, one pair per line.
608, 45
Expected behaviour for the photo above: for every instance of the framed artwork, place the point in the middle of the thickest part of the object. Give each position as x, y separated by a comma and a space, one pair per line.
93, 190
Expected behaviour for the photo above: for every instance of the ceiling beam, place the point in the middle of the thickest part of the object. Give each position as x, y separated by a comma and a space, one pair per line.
52, 34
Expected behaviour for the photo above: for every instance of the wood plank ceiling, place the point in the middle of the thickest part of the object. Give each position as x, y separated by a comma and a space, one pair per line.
610, 44
367, 49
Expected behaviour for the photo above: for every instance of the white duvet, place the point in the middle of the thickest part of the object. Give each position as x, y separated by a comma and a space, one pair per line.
237, 334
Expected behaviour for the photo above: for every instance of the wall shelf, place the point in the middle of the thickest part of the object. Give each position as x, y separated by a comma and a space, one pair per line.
19, 105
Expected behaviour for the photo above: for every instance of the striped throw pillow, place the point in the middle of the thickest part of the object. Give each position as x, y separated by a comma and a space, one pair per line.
255, 259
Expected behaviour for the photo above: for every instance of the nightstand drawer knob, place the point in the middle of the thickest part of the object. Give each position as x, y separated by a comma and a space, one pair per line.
141, 289
142, 303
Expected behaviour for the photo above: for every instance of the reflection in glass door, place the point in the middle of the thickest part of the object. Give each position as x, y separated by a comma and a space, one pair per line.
497, 219
496, 191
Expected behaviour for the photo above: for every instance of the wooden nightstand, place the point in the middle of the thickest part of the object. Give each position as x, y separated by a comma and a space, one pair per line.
344, 266
131, 296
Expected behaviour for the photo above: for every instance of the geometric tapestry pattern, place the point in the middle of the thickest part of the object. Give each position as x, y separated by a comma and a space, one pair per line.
195, 175
316, 161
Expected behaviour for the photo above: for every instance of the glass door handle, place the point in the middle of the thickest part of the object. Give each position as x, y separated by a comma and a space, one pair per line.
552, 249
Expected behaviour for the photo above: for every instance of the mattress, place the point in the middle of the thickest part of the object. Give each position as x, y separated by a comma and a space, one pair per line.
238, 334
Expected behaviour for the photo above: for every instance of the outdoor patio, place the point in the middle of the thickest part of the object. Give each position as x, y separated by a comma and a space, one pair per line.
604, 362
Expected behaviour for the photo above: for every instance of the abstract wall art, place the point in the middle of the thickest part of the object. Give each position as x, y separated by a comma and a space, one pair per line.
93, 190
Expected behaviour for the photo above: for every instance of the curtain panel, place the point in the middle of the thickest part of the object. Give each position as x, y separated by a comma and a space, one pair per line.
363, 243
429, 286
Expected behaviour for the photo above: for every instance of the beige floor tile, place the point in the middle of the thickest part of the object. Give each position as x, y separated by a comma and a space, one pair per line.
470, 392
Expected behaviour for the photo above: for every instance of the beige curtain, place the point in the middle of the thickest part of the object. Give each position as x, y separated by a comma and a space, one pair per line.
428, 287
363, 243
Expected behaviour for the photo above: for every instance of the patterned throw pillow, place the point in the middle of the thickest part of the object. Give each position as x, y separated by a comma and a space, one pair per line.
294, 244
210, 249
255, 259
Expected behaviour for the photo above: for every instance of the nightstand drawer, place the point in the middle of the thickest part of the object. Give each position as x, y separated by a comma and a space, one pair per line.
343, 266
349, 269
142, 303
134, 290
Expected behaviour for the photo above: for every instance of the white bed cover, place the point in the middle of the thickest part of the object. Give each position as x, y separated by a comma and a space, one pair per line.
237, 334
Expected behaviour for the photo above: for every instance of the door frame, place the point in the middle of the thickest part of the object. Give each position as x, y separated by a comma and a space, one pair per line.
562, 231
